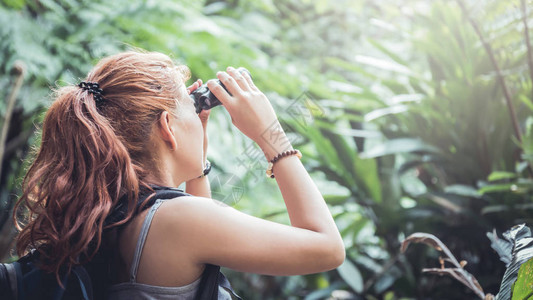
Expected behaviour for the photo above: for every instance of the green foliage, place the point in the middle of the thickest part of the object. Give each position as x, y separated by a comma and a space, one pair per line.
399, 114
445, 153
523, 287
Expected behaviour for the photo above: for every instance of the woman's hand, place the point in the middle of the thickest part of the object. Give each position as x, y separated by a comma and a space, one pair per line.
204, 115
250, 110
200, 186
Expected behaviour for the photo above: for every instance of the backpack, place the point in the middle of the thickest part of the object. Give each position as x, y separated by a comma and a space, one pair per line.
24, 280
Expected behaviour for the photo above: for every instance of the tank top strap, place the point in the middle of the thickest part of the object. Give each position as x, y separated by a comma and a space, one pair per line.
142, 239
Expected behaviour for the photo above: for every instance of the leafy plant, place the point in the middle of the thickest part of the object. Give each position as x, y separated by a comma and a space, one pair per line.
523, 286
515, 250
408, 127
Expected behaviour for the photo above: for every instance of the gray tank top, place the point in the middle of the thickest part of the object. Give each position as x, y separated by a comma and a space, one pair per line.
133, 290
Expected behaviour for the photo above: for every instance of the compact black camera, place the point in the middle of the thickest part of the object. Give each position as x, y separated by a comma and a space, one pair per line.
204, 99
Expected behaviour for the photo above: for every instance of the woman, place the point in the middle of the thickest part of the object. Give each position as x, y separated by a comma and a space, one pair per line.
131, 126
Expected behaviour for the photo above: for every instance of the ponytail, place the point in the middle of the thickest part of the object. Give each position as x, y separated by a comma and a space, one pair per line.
80, 172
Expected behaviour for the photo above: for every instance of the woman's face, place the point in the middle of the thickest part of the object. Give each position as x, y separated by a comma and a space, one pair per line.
189, 135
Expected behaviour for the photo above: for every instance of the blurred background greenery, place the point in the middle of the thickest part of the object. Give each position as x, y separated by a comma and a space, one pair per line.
412, 115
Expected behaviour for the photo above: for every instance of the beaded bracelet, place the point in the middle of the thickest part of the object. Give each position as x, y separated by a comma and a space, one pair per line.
269, 171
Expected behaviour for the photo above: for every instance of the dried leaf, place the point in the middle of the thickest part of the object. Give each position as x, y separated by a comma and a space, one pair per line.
476, 283
420, 237
462, 276
431, 240
451, 272
459, 273
463, 263
441, 261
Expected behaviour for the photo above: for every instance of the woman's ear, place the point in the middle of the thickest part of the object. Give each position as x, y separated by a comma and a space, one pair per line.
165, 129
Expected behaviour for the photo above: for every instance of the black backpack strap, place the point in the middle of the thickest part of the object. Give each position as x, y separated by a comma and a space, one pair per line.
161, 192
12, 276
84, 280
212, 278
164, 193
18, 273
224, 282
8, 281
58, 291
208, 288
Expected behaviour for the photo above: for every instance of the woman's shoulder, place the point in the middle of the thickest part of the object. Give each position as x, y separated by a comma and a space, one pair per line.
191, 208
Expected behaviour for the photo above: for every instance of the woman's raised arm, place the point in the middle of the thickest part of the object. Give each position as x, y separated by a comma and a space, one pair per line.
217, 234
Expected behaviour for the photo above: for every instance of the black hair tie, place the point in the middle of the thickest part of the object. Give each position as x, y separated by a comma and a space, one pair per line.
93, 88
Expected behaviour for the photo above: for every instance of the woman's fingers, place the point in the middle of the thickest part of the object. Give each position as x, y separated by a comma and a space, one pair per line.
238, 76
219, 91
249, 80
229, 82
237, 85
194, 86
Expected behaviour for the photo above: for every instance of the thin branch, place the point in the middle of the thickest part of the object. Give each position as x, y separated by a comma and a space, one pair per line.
528, 43
18, 141
7, 234
529, 54
499, 74
19, 69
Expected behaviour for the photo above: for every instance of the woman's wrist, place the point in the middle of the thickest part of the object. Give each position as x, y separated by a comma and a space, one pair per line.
279, 156
274, 142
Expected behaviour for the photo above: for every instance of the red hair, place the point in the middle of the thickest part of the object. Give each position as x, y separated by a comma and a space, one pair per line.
90, 156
